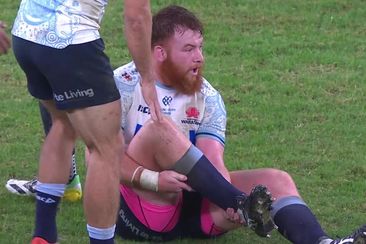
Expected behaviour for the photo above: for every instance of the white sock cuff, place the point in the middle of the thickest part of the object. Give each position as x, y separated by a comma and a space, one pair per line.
285, 201
51, 189
101, 234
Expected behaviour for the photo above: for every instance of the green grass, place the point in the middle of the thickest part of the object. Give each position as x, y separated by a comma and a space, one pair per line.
292, 75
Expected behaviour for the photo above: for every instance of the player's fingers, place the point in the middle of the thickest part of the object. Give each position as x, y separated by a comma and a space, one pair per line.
178, 176
229, 213
232, 216
186, 187
153, 112
158, 113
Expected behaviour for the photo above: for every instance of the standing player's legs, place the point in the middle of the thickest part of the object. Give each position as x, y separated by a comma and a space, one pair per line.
57, 147
99, 127
80, 80
73, 191
59, 140
92, 102
53, 172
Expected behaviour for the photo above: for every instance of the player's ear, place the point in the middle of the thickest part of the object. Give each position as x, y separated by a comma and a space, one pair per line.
159, 53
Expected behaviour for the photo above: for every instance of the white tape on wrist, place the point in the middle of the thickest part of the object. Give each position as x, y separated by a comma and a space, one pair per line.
149, 180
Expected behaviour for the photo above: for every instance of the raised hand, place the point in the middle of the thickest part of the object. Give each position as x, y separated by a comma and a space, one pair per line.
149, 92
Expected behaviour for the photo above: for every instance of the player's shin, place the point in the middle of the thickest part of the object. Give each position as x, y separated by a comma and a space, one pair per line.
203, 177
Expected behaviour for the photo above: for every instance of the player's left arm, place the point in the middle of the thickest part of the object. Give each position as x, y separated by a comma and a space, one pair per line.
210, 136
214, 151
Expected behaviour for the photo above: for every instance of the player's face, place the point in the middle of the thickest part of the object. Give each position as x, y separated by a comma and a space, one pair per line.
184, 63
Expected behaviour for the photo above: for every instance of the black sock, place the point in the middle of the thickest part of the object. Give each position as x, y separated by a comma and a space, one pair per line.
46, 209
73, 170
96, 241
298, 224
204, 178
46, 118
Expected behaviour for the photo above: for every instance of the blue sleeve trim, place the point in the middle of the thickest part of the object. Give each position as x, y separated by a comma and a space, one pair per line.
211, 135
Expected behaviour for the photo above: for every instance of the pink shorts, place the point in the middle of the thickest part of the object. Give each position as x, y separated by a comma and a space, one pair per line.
163, 218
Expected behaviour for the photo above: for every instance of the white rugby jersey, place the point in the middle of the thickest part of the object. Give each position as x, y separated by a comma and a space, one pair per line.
201, 114
59, 23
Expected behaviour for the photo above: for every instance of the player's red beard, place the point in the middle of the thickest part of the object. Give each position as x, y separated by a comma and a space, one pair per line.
181, 80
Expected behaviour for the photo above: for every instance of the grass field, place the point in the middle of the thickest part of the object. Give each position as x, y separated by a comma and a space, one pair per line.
292, 74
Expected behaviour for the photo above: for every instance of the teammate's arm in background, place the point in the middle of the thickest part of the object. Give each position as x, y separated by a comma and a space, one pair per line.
4, 40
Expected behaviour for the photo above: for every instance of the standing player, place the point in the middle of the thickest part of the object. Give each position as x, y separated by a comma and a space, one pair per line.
58, 46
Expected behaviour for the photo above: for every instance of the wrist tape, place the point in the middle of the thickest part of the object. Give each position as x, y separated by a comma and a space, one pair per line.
149, 180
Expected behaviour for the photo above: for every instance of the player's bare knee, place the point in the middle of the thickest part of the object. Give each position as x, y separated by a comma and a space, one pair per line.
280, 183
278, 175
63, 128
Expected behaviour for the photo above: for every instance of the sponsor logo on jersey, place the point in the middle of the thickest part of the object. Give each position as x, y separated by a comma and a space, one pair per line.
192, 114
127, 76
69, 95
167, 100
190, 122
143, 109
168, 111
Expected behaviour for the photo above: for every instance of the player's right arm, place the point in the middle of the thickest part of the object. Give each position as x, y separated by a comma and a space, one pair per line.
167, 181
138, 24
